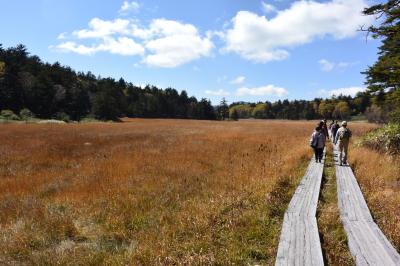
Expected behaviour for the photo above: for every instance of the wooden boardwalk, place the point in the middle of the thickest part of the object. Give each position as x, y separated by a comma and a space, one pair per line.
368, 245
299, 241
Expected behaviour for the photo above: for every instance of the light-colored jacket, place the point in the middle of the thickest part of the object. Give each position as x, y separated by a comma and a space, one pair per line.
317, 140
340, 133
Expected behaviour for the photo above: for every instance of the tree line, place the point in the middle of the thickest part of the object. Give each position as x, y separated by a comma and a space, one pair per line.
45, 90
341, 107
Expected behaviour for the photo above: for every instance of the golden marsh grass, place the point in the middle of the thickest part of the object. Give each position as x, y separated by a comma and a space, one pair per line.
148, 191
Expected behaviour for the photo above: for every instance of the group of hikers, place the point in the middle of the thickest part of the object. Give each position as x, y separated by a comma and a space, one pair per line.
339, 135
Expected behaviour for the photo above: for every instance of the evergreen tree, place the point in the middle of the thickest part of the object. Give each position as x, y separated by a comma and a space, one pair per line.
384, 75
223, 109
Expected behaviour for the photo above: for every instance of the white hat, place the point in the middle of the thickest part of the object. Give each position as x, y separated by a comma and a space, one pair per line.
344, 123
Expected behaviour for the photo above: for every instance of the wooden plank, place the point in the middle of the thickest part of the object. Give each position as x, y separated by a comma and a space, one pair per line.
316, 258
299, 243
308, 240
368, 245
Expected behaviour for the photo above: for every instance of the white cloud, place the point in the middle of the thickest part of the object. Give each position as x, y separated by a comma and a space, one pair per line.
347, 91
259, 39
99, 28
75, 48
268, 8
168, 43
174, 44
121, 46
238, 80
62, 36
326, 66
219, 92
260, 91
128, 7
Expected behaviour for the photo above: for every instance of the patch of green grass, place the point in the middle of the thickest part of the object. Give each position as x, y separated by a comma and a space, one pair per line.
384, 139
333, 237
359, 117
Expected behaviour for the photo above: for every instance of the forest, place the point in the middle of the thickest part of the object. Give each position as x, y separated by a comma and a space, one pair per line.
45, 90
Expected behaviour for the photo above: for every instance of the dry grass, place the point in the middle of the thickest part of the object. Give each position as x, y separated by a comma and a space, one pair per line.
147, 191
150, 192
379, 178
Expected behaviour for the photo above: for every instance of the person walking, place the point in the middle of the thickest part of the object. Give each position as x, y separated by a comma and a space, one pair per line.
334, 129
324, 128
317, 142
343, 136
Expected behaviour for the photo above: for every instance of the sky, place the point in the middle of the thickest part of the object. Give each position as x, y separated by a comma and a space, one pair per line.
243, 50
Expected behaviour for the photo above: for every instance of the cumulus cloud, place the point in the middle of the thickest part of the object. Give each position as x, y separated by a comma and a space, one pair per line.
168, 43
99, 28
173, 43
260, 39
120, 46
238, 80
75, 48
129, 7
219, 92
347, 91
271, 90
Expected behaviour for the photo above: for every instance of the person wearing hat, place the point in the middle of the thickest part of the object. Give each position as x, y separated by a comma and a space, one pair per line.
342, 137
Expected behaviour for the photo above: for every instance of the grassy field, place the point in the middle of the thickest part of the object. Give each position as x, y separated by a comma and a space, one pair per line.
149, 191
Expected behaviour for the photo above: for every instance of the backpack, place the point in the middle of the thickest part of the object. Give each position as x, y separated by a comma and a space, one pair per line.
314, 140
345, 135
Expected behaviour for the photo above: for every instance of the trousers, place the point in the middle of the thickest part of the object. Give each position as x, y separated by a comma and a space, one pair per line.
343, 150
318, 153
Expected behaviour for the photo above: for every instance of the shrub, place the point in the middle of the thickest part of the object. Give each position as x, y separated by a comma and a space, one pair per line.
376, 114
9, 115
62, 116
88, 119
233, 114
385, 139
26, 114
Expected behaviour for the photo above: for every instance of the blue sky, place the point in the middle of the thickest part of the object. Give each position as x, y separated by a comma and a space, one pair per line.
238, 49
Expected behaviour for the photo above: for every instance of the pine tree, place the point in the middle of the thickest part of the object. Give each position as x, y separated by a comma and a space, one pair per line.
384, 75
223, 109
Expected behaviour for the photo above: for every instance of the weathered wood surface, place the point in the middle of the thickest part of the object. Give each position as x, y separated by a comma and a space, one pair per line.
299, 242
368, 245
